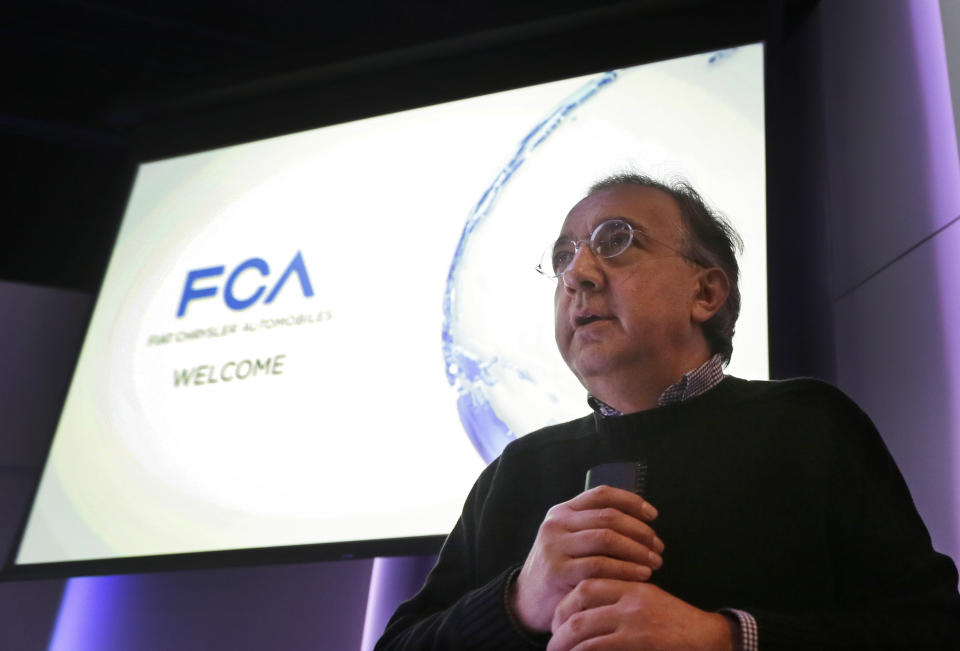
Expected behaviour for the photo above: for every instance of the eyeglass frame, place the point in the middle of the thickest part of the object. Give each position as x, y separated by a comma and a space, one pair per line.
577, 244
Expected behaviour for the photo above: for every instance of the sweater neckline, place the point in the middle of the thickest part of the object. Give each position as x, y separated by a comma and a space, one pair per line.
720, 395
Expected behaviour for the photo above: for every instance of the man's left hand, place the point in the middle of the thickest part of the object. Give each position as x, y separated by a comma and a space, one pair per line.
608, 614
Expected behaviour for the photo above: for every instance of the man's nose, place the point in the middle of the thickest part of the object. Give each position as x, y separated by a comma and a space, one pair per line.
584, 271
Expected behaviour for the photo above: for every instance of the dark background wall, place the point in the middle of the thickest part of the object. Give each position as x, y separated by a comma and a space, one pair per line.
894, 198
863, 209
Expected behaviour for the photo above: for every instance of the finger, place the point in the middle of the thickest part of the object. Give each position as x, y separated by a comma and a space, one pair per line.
616, 520
603, 567
591, 593
583, 626
611, 642
607, 496
607, 642
607, 542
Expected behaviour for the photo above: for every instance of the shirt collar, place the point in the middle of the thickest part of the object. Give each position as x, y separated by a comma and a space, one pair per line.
690, 385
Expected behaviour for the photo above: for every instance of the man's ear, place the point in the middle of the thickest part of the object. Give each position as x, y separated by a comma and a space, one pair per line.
713, 287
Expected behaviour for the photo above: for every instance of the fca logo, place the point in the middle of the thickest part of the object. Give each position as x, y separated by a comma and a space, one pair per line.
190, 292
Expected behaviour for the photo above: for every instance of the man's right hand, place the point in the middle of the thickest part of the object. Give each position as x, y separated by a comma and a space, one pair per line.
600, 534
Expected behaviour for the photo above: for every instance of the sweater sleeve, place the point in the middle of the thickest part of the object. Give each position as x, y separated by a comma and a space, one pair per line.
476, 621
891, 589
458, 608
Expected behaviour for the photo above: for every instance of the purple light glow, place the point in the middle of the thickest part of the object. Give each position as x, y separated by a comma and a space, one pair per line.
372, 625
943, 196
392, 581
943, 191
85, 615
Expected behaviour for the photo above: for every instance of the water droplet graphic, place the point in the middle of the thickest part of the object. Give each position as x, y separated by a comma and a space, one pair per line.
478, 375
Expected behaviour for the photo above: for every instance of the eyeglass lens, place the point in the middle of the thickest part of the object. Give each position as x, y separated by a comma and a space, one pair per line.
609, 239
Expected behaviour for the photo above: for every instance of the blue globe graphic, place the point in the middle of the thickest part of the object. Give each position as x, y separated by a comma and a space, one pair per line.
505, 386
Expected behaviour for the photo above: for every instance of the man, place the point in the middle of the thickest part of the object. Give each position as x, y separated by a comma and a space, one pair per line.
772, 515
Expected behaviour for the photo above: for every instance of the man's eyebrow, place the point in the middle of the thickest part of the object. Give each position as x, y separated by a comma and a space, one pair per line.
630, 220
566, 236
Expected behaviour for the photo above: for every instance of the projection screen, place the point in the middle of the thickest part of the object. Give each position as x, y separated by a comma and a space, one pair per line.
324, 337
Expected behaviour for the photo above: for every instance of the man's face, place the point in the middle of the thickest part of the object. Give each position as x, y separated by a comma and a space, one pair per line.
631, 312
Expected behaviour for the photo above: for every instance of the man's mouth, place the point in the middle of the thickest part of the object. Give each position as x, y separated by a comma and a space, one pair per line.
587, 319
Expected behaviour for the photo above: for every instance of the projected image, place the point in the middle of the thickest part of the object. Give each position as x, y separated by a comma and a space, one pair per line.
324, 337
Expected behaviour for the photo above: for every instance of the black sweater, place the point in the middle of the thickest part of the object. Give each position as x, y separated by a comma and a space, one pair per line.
777, 498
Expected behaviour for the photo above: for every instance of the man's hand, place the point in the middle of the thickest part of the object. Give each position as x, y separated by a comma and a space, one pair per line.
608, 614
600, 534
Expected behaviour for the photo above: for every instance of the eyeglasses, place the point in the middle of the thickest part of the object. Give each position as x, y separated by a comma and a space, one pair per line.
608, 240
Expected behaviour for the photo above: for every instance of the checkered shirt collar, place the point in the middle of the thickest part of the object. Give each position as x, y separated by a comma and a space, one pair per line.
692, 384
